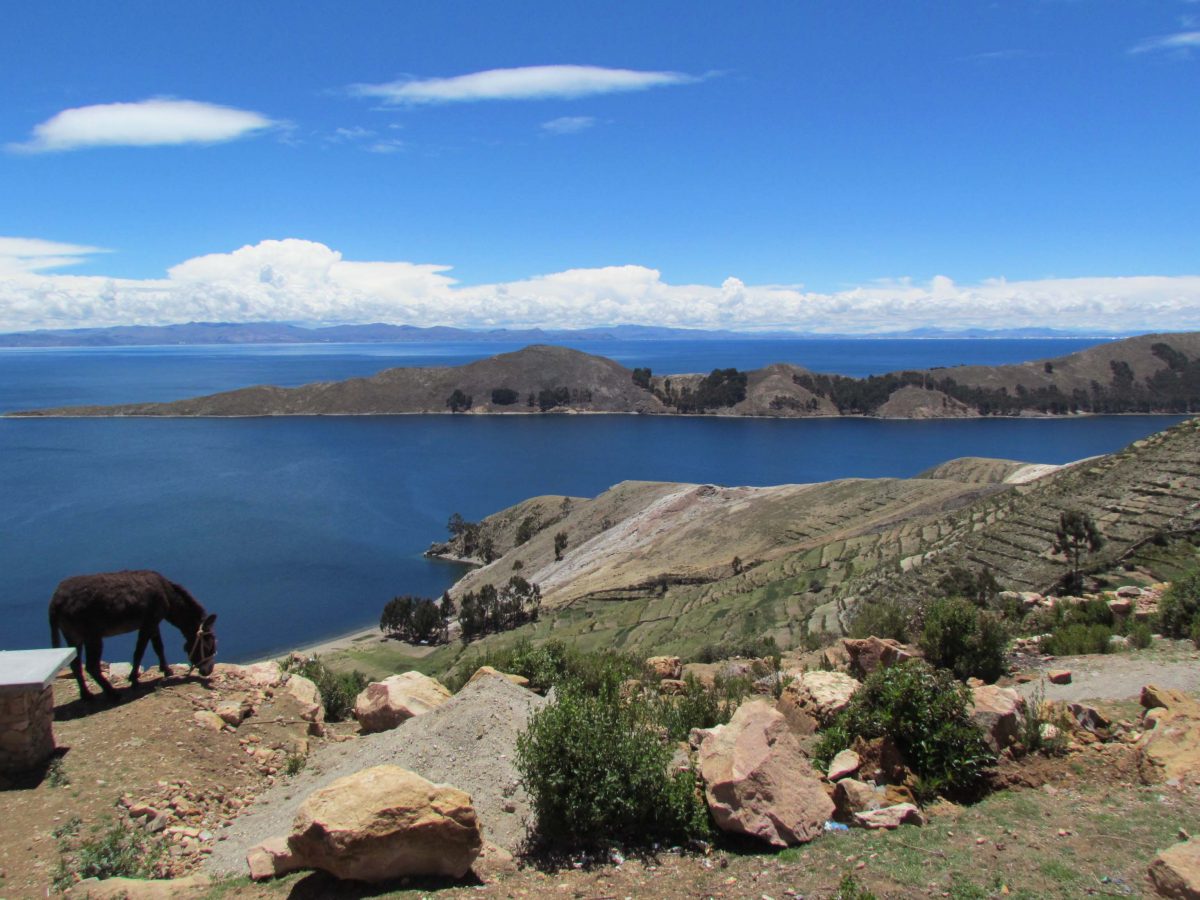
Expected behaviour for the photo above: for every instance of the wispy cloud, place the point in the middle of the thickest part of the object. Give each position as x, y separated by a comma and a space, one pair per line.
34, 254
525, 83
304, 281
145, 123
1181, 40
568, 124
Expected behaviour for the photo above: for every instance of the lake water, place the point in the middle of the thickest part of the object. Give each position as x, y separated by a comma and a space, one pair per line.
298, 529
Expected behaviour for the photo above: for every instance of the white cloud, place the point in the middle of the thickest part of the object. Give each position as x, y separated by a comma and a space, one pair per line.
568, 124
304, 281
146, 123
1182, 40
525, 83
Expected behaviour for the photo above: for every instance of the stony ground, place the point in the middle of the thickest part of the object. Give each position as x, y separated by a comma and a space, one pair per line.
1076, 825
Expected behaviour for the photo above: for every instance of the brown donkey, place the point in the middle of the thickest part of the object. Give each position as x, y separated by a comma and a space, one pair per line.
86, 609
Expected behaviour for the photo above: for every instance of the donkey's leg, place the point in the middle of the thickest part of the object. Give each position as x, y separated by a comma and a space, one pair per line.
156, 640
139, 650
94, 647
77, 669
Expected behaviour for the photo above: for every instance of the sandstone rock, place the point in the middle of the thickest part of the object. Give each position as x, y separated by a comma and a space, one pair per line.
484, 671
821, 695
869, 654
305, 693
845, 763
851, 796
672, 686
1153, 697
890, 816
664, 666
835, 658
493, 862
232, 712
1175, 872
1129, 591
271, 859
385, 704
206, 718
1120, 606
1000, 712
1170, 746
138, 889
758, 782
386, 822
1088, 718
881, 760
262, 674
1059, 676
1049, 732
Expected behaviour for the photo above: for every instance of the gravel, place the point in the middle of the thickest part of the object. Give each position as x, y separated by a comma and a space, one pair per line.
469, 742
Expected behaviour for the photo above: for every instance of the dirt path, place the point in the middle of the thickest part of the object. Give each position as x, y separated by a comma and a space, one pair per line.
1121, 676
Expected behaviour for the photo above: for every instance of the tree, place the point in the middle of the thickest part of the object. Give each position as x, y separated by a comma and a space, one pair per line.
504, 396
1076, 536
456, 524
458, 401
560, 544
641, 377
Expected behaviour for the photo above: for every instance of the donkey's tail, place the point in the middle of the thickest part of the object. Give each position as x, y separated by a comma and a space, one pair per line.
55, 637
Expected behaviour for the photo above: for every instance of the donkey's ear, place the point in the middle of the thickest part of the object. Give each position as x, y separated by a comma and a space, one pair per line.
209, 621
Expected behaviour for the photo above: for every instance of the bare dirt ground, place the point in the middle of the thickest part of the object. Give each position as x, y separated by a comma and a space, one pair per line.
1121, 676
1071, 826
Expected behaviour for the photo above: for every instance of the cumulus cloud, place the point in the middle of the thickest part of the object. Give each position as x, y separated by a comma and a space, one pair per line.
524, 83
145, 123
308, 282
568, 124
1182, 40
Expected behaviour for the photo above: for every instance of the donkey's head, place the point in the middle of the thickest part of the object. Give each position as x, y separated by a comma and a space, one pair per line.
202, 648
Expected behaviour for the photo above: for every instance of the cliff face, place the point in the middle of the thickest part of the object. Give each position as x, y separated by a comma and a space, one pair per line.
1153, 373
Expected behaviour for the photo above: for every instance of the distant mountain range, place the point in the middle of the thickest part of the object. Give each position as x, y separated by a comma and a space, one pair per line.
198, 333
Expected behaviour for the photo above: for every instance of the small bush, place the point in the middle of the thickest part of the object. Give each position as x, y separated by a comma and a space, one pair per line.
1179, 606
550, 664
883, 620
699, 706
337, 689
748, 648
960, 637
595, 767
1039, 713
927, 713
1079, 640
1140, 636
1195, 635
114, 851
849, 889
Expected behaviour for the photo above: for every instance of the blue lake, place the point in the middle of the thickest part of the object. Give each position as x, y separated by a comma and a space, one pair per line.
298, 529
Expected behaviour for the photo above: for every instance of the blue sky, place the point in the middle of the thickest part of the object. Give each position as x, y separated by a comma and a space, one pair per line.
835, 166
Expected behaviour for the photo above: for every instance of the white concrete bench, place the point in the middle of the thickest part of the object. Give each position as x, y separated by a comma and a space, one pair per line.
27, 706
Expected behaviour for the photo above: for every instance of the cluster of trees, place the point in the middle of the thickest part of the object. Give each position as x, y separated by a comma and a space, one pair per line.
549, 398
417, 619
458, 401
503, 396
1175, 388
641, 377
489, 610
471, 539
719, 389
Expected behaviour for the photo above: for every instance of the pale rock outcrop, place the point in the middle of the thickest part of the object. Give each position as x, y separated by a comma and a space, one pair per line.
890, 817
271, 859
1059, 676
485, 671
665, 666
1000, 712
385, 704
844, 764
821, 695
758, 782
1175, 872
1170, 745
304, 692
872, 653
386, 822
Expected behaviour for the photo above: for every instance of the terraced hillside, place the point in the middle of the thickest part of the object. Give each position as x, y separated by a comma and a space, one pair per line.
651, 566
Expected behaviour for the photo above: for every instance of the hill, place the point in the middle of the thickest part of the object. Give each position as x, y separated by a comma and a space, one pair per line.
1151, 373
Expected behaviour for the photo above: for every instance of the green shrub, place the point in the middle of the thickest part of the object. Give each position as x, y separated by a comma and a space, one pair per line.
1195, 635
748, 648
882, 620
337, 689
960, 637
1079, 640
849, 889
550, 664
1179, 606
1140, 636
111, 851
927, 713
699, 706
595, 767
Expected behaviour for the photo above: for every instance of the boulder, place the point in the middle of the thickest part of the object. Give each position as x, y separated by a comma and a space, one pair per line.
672, 686
1059, 676
271, 859
872, 653
1000, 712
821, 695
880, 760
835, 658
385, 704
305, 693
232, 712
386, 822
1088, 717
758, 782
1175, 872
261, 674
890, 817
851, 796
845, 763
485, 671
1120, 606
1170, 745
664, 666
